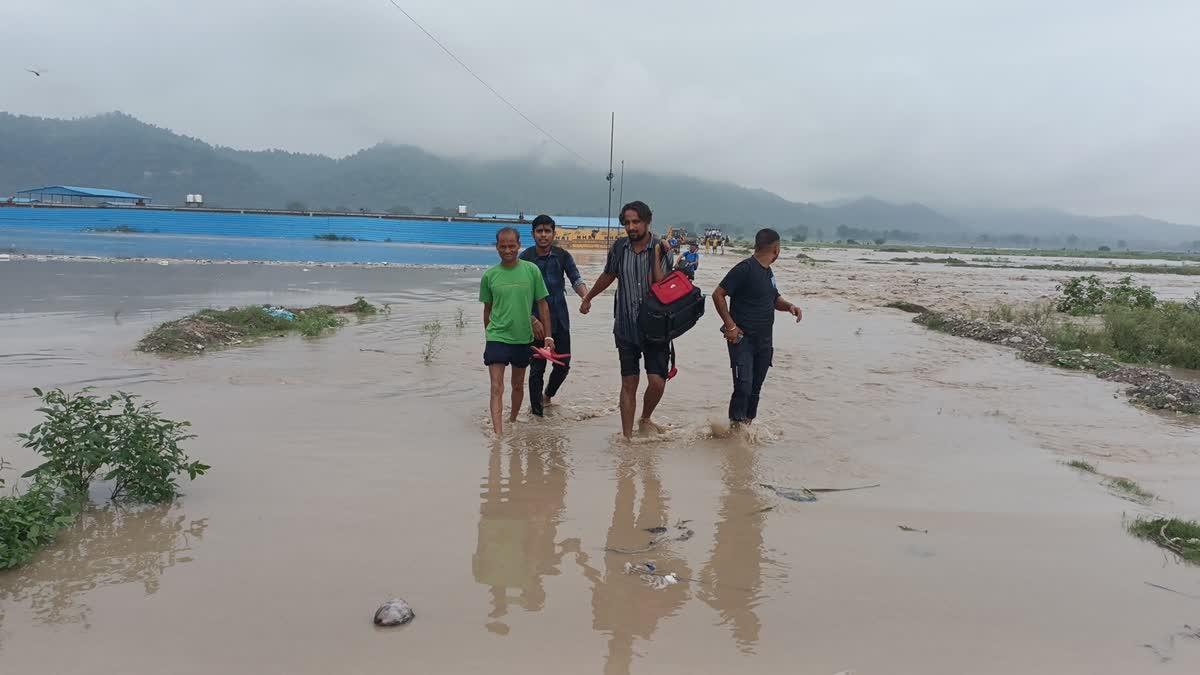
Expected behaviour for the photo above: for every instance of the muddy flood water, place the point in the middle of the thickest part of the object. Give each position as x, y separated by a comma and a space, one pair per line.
347, 471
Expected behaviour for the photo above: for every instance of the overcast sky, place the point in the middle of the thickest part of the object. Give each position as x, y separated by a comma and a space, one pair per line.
1092, 106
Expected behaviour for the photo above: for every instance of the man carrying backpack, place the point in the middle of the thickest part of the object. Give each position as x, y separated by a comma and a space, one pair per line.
749, 323
635, 262
555, 263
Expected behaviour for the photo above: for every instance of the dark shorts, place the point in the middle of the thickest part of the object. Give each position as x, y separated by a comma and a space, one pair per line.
658, 358
517, 356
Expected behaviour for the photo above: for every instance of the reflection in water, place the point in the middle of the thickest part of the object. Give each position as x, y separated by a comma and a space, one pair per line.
622, 606
107, 547
518, 519
732, 577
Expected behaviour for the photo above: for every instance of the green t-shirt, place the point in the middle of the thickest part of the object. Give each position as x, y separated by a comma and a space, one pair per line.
511, 291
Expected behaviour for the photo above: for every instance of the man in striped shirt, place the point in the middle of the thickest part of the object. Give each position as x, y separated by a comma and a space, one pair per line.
635, 262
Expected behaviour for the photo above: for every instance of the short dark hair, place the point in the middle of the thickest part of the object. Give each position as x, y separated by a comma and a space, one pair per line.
542, 220
640, 208
764, 238
509, 229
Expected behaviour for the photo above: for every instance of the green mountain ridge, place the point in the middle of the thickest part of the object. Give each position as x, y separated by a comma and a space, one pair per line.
119, 151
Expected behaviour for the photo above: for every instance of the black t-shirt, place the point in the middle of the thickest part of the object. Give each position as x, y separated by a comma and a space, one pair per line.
751, 290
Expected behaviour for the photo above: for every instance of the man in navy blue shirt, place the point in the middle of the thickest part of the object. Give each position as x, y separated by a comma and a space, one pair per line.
749, 324
555, 263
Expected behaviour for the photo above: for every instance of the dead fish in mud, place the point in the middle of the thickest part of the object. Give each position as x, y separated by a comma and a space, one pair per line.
394, 612
794, 494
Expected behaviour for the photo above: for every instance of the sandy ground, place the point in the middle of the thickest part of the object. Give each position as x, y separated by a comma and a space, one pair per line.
343, 476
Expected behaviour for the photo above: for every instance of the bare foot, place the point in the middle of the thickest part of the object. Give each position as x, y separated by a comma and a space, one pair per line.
647, 426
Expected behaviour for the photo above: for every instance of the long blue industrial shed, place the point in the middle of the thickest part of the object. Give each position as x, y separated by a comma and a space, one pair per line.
278, 226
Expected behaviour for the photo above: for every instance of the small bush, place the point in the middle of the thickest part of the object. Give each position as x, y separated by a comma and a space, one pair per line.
432, 330
116, 438
313, 322
1089, 295
29, 520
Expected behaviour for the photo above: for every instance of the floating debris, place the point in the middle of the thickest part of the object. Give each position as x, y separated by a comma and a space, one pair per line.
794, 494
906, 528
681, 533
394, 612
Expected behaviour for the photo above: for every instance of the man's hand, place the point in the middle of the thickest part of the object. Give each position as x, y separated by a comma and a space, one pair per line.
585, 306
539, 331
794, 310
549, 342
732, 333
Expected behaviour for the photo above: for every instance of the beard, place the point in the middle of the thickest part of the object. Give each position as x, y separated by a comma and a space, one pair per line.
637, 237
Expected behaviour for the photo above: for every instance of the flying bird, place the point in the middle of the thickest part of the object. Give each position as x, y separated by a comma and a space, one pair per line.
35, 72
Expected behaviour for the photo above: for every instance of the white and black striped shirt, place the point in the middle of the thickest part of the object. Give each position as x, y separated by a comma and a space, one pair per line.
632, 270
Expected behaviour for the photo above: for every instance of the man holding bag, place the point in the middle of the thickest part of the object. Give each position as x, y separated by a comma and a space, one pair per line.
635, 262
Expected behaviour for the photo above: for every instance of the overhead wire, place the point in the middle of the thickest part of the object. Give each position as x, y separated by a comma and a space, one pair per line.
489, 87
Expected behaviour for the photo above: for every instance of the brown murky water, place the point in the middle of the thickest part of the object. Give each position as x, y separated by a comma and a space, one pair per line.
342, 477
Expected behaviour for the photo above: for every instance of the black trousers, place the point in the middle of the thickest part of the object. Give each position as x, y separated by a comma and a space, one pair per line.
749, 360
558, 374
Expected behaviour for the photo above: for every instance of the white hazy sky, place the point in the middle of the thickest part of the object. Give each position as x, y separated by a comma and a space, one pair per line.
1092, 106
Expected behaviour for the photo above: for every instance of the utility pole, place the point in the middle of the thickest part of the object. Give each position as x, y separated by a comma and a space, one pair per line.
611, 129
621, 190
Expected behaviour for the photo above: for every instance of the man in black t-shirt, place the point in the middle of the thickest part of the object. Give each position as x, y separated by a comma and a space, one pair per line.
748, 323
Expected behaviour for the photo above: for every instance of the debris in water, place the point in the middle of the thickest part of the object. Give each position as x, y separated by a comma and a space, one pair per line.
681, 533
794, 494
763, 510
650, 575
906, 528
859, 487
394, 612
1172, 590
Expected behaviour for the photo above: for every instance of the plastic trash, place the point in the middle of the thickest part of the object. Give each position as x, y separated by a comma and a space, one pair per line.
280, 313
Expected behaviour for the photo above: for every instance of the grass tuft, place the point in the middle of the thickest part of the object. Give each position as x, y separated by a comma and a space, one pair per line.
1130, 488
1179, 536
1082, 465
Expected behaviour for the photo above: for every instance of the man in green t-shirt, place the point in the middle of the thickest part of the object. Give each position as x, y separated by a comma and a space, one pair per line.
507, 291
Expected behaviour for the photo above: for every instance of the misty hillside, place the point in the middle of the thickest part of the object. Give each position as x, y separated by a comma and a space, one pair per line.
121, 152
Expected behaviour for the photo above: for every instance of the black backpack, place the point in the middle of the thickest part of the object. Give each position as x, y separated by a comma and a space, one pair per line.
670, 309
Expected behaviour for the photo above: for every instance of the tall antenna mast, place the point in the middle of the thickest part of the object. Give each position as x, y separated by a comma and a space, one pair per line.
611, 129
621, 190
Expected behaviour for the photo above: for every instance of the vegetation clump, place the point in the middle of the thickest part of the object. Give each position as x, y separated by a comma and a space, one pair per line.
1131, 488
906, 306
211, 328
330, 236
82, 439
1082, 465
1181, 537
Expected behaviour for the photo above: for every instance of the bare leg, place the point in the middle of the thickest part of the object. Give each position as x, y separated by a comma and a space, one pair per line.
629, 387
496, 373
518, 392
655, 386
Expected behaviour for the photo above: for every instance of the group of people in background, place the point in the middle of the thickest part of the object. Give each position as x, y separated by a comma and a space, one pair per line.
714, 239
537, 279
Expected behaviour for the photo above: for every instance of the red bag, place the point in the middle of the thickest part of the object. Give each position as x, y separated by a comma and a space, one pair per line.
674, 287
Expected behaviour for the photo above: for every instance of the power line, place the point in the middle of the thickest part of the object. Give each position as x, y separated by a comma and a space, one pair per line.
490, 88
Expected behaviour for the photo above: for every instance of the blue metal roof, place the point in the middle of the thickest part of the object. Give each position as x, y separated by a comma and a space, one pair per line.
74, 191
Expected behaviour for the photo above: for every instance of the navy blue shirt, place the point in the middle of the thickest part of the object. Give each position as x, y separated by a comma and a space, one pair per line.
752, 293
554, 266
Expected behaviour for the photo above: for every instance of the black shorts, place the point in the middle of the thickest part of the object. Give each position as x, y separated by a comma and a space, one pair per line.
517, 356
658, 358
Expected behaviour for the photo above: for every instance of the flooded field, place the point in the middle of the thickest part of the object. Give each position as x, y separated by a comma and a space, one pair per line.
346, 471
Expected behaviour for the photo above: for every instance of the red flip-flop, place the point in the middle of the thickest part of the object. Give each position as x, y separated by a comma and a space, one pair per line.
543, 353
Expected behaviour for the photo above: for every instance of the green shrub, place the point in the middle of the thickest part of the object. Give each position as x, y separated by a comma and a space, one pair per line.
116, 438
29, 520
1089, 295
